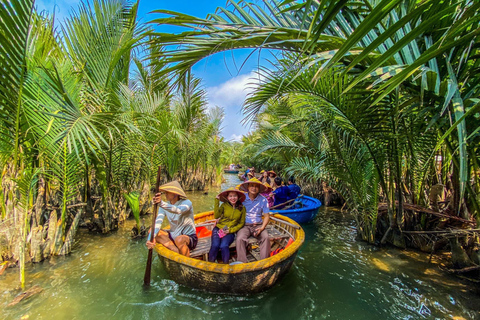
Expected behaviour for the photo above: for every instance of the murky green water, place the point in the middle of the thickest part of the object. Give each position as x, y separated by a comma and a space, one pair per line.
333, 277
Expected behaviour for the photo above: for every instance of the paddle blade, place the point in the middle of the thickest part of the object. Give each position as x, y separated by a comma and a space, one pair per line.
148, 269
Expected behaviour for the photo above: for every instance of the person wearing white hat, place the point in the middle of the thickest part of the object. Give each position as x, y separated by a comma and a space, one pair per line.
181, 237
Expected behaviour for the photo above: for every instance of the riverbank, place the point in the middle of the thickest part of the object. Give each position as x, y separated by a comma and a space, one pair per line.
334, 276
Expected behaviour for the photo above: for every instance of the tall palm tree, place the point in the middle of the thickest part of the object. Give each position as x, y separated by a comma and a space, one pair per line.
76, 132
52, 119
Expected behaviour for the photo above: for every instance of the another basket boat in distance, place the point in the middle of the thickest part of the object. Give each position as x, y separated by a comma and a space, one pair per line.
304, 210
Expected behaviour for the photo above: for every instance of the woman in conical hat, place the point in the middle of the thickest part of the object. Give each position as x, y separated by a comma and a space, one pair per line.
181, 237
264, 178
231, 218
223, 196
268, 194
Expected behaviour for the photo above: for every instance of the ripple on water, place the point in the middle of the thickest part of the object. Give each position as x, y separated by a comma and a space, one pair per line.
334, 276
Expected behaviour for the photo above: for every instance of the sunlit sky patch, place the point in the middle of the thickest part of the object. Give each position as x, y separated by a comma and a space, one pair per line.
226, 86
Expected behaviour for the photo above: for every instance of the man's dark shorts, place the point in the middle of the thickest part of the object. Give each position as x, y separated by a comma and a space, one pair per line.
193, 240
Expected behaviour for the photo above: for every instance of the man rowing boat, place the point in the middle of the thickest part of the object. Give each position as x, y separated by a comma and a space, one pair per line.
181, 237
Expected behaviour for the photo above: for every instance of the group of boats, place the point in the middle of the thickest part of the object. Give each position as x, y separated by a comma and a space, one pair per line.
303, 210
286, 237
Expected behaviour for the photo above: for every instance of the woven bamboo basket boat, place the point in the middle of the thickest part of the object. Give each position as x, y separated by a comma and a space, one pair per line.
286, 237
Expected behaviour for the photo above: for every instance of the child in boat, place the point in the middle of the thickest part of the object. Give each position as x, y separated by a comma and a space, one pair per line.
231, 218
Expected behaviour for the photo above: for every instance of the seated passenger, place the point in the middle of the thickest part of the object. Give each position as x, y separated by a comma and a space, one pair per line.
281, 193
294, 188
268, 194
272, 175
264, 178
231, 217
181, 237
256, 206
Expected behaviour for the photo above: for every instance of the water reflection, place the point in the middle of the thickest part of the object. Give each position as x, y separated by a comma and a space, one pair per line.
334, 276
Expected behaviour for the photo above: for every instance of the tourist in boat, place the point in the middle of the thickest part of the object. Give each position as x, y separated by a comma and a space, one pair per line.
265, 178
268, 194
272, 175
249, 176
281, 193
294, 189
231, 218
256, 205
181, 237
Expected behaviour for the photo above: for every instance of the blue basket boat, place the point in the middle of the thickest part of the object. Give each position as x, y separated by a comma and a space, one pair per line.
304, 210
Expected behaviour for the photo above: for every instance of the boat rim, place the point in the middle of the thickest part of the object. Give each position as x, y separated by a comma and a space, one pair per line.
241, 267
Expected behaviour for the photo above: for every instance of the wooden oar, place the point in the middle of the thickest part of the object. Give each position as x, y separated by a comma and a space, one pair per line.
292, 205
148, 270
282, 204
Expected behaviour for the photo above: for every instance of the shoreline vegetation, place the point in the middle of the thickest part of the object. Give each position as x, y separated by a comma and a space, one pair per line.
85, 124
383, 120
377, 99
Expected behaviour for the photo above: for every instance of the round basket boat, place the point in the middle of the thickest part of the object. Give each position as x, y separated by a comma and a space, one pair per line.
242, 278
303, 210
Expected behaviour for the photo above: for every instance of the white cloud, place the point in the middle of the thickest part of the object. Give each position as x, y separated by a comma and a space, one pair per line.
231, 95
236, 137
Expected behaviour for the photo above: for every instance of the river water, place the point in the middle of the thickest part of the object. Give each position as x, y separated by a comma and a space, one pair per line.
334, 277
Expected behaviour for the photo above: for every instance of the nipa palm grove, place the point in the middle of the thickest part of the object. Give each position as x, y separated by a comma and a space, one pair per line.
378, 100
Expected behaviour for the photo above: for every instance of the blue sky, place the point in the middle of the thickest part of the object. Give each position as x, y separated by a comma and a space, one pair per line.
226, 86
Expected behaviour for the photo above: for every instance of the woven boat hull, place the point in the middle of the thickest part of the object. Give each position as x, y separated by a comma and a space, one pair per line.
236, 283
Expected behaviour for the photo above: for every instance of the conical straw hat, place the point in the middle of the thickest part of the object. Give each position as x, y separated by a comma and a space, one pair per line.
268, 188
173, 187
224, 194
244, 186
